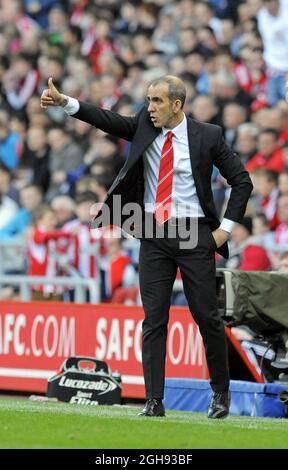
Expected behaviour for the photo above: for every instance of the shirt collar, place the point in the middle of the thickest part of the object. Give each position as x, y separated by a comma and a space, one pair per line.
179, 131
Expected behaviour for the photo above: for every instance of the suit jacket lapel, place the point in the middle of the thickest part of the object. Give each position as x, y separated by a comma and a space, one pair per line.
194, 140
150, 133
146, 136
140, 143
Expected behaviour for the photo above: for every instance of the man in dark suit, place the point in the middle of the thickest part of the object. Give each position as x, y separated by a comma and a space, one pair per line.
168, 174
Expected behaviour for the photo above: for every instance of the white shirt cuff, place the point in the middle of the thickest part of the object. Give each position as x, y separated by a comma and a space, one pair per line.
227, 225
72, 107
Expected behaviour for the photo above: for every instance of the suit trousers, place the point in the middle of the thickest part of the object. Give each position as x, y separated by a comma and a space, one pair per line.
158, 262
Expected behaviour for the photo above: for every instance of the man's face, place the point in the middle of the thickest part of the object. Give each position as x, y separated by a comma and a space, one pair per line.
232, 116
30, 198
49, 220
203, 109
36, 139
259, 227
245, 142
160, 107
263, 186
57, 139
83, 211
267, 143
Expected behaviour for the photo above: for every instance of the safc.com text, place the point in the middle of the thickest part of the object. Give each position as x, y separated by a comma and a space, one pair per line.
48, 336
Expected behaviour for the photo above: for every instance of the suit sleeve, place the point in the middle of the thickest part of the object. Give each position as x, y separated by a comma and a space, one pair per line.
232, 169
108, 121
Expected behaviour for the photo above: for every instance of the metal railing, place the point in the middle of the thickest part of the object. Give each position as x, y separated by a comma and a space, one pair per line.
13, 255
79, 285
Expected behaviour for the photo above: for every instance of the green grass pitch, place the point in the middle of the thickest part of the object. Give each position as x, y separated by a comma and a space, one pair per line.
26, 424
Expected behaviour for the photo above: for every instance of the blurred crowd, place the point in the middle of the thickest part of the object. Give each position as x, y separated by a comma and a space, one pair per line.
232, 56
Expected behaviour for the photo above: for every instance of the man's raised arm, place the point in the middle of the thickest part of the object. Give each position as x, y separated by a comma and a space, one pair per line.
108, 121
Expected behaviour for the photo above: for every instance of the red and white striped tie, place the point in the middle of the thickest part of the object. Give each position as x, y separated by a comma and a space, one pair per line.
164, 188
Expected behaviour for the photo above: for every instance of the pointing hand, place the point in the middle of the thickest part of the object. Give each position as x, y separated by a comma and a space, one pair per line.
51, 96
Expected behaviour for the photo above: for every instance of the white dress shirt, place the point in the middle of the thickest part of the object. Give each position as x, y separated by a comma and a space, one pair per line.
185, 202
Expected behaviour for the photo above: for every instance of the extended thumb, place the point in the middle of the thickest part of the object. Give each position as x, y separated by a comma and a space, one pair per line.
50, 83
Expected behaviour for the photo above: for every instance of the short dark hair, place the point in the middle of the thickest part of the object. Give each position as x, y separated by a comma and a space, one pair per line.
270, 175
262, 217
176, 88
271, 131
40, 211
86, 196
34, 186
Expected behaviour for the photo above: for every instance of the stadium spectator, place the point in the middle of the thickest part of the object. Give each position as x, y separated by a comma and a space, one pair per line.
269, 155
13, 14
226, 89
187, 40
96, 42
44, 259
8, 207
240, 236
272, 21
84, 248
81, 133
6, 185
246, 141
36, 156
266, 187
57, 19
233, 116
204, 109
116, 269
10, 143
164, 36
64, 207
205, 16
31, 197
64, 155
255, 258
251, 75
38, 10
98, 185
20, 81
262, 233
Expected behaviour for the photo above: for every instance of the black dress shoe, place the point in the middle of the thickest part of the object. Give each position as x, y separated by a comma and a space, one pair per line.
153, 407
219, 405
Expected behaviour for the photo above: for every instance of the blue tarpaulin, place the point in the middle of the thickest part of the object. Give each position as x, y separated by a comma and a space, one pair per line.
247, 398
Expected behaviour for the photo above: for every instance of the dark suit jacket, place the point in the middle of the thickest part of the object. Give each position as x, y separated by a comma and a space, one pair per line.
207, 148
